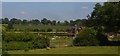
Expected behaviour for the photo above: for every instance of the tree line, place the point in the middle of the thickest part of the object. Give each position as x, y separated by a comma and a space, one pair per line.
43, 21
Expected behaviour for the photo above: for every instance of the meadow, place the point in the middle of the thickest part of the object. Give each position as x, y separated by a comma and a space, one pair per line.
71, 50
40, 27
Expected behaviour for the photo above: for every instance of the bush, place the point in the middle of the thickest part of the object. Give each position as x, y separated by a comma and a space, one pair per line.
86, 37
61, 30
36, 30
102, 38
42, 30
41, 42
49, 30
22, 41
26, 49
10, 26
18, 37
15, 45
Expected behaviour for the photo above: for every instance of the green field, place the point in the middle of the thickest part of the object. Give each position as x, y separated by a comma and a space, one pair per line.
39, 27
71, 50
61, 42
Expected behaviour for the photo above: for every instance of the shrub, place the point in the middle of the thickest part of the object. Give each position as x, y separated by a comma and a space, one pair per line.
49, 30
15, 45
41, 42
18, 37
26, 49
42, 30
86, 37
36, 30
10, 26
102, 38
60, 30
22, 41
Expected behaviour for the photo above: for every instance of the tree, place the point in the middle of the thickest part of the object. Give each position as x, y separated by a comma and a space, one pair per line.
84, 22
49, 22
5, 21
19, 21
78, 22
24, 21
10, 26
53, 22
36, 22
106, 16
86, 37
49, 30
96, 15
44, 21
66, 22
13, 21
111, 17
72, 23
58, 23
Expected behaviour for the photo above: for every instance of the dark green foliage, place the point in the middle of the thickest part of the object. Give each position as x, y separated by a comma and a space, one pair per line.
106, 15
93, 37
18, 37
14, 45
114, 43
24, 22
5, 21
36, 30
44, 21
102, 37
26, 49
15, 21
86, 37
41, 42
105, 18
23, 41
42, 30
53, 22
49, 30
10, 26
66, 22
36, 22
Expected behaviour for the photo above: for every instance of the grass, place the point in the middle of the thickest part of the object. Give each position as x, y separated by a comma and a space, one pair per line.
39, 27
71, 50
61, 42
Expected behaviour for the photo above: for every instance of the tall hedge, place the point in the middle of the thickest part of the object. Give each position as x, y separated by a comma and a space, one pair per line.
86, 37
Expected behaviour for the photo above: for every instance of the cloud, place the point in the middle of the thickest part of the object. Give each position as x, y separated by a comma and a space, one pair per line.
84, 7
23, 12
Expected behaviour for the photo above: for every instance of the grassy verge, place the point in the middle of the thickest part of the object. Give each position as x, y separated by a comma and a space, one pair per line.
71, 50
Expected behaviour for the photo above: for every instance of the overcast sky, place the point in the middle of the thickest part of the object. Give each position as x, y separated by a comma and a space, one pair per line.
52, 10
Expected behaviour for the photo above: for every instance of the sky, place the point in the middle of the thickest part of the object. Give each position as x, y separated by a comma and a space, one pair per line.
59, 11
0, 10
54, 0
